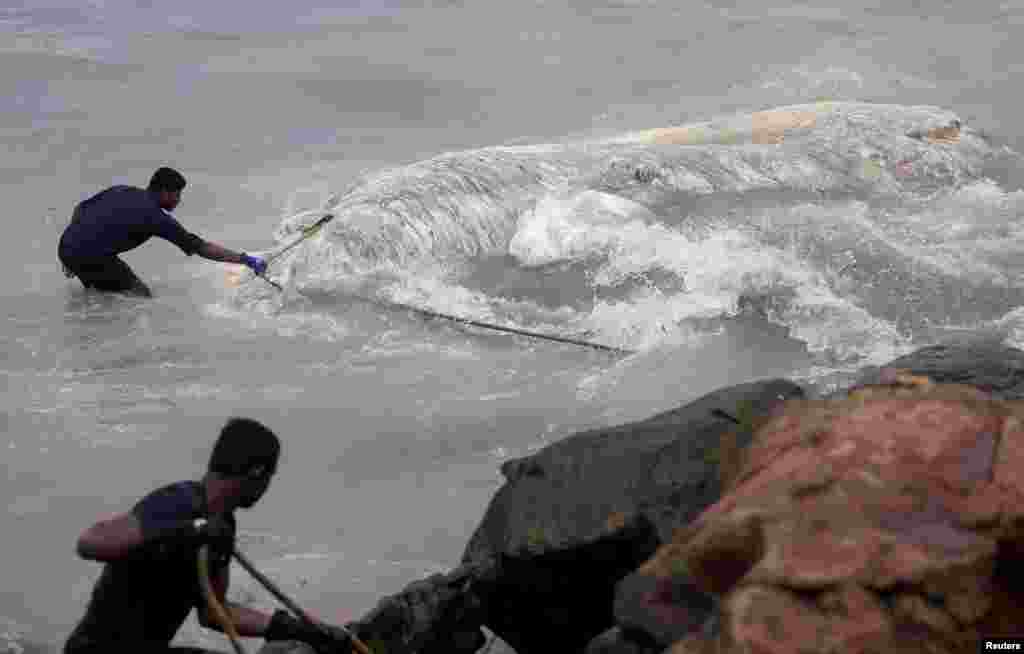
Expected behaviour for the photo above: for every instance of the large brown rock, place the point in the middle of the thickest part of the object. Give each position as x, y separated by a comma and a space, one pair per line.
889, 520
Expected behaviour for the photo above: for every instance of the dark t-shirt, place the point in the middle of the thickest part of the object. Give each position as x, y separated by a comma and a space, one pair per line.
142, 602
119, 219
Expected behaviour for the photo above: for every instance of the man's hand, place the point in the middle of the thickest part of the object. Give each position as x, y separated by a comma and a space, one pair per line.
333, 640
324, 638
256, 264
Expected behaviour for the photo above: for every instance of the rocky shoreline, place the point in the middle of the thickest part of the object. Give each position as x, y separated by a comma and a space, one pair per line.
750, 519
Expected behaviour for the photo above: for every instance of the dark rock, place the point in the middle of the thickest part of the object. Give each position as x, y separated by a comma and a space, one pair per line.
984, 363
558, 600
581, 514
623, 641
666, 610
439, 614
286, 647
564, 494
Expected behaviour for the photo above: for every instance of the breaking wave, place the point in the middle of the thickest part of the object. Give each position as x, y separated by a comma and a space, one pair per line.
857, 227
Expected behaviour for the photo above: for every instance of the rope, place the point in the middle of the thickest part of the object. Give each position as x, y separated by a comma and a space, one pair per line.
501, 328
218, 610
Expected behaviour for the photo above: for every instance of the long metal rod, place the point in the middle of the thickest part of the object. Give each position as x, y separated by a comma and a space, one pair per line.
306, 233
289, 603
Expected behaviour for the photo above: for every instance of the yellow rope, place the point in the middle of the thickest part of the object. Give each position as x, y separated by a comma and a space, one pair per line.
218, 610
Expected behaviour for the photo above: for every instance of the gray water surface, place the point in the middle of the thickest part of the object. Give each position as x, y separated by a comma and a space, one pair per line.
394, 426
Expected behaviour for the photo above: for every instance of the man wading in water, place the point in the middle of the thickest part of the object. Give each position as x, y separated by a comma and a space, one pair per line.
122, 218
150, 581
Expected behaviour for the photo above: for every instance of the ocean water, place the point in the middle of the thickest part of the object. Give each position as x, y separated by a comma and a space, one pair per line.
486, 160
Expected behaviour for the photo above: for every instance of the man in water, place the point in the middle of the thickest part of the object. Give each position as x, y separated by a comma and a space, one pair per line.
150, 582
122, 218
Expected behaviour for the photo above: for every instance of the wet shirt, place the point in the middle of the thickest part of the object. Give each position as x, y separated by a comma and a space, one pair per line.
143, 601
119, 219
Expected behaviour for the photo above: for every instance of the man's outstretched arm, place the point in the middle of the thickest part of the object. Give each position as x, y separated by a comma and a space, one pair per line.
167, 227
215, 252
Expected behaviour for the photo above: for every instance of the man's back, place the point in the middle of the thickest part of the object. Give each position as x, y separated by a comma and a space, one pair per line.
119, 219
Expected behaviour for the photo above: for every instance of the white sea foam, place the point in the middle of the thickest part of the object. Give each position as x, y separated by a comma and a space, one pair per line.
1011, 327
571, 225
290, 324
400, 233
468, 203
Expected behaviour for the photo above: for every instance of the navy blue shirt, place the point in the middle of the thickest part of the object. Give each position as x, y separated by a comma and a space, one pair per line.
119, 219
141, 602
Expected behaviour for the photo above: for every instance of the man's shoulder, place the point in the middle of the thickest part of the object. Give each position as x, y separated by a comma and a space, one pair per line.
185, 485
178, 498
185, 488
124, 190
135, 194
120, 195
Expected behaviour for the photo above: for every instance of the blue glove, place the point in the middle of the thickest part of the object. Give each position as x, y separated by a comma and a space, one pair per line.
258, 266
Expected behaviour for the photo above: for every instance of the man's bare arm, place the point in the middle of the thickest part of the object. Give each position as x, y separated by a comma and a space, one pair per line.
111, 539
215, 252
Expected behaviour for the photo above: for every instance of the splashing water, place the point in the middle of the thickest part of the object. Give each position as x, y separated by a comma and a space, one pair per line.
801, 215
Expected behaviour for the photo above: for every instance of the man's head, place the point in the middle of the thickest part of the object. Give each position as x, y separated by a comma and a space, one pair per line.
167, 184
245, 456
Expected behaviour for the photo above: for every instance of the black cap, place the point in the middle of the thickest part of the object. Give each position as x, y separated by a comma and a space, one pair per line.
243, 446
166, 179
